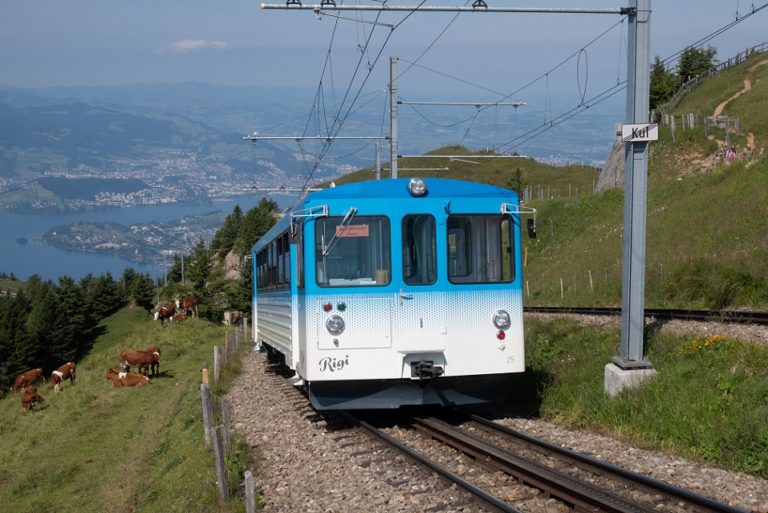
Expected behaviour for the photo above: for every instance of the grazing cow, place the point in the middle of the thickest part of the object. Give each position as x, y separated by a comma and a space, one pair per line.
188, 304
30, 397
141, 359
66, 371
124, 379
27, 378
155, 367
179, 316
232, 317
165, 313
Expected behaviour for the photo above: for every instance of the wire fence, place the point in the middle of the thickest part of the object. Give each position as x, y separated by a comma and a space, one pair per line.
217, 429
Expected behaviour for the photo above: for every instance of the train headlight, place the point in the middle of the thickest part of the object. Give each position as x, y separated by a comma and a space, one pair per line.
502, 320
335, 325
417, 187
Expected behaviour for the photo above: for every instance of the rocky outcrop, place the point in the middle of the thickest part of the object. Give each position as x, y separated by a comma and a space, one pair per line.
612, 174
233, 266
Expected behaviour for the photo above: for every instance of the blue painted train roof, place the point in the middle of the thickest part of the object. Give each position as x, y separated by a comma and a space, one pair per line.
393, 188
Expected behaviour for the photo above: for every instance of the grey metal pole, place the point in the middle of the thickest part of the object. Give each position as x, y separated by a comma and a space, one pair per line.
378, 161
393, 116
635, 192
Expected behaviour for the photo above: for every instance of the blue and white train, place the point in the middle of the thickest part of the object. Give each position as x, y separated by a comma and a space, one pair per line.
395, 292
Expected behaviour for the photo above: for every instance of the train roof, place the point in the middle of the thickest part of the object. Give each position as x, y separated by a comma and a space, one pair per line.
393, 188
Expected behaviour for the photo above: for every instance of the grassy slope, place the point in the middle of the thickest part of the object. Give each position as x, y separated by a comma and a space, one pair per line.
502, 172
716, 219
709, 401
710, 398
95, 448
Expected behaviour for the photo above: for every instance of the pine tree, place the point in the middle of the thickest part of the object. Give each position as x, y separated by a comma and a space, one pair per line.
39, 325
695, 61
225, 237
664, 84
257, 222
199, 268
71, 331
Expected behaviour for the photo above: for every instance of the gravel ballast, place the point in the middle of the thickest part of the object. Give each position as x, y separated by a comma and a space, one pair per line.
306, 465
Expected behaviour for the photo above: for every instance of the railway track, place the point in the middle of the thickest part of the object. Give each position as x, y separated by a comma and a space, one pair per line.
578, 482
726, 316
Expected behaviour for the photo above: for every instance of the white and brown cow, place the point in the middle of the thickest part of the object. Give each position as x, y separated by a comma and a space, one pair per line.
141, 359
66, 371
188, 304
155, 366
27, 378
30, 397
165, 313
125, 379
232, 317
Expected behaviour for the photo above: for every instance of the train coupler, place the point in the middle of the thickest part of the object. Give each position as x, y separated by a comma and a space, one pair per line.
425, 369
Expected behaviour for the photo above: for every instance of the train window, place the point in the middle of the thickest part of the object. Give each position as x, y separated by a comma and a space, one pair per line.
480, 249
352, 254
419, 250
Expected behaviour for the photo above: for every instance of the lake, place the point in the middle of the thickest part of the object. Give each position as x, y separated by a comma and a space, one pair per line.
36, 257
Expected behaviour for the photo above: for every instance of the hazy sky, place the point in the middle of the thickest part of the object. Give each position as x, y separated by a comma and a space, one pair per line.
96, 42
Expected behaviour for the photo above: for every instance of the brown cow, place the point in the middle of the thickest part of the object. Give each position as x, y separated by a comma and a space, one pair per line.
188, 304
30, 397
124, 379
27, 378
141, 359
155, 367
165, 313
179, 317
66, 371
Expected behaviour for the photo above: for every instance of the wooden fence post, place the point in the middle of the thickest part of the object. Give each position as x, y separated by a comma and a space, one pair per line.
216, 364
250, 498
221, 469
205, 397
225, 420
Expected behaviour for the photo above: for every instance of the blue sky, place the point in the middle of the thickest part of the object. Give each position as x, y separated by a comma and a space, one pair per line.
89, 42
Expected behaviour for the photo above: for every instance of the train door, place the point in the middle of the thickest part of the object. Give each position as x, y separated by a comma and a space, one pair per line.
420, 306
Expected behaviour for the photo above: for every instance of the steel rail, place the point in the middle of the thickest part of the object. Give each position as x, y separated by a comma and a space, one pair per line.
489, 500
700, 502
727, 316
584, 496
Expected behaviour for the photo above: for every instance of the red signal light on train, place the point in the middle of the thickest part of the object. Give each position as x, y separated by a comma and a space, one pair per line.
501, 335
327, 307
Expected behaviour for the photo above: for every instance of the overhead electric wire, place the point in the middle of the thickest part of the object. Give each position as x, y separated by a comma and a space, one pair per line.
712, 35
339, 120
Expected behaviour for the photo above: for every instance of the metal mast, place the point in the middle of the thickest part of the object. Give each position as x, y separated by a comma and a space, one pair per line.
635, 192
393, 116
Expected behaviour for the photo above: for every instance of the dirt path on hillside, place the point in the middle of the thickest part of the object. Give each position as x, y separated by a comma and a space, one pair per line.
747, 86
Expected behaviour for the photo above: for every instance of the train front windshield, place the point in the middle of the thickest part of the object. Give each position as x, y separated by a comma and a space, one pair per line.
353, 253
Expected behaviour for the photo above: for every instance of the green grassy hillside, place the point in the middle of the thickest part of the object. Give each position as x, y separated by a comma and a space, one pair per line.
707, 241
512, 173
94, 448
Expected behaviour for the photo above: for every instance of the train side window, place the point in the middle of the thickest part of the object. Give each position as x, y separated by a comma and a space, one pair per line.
481, 249
297, 238
419, 250
459, 247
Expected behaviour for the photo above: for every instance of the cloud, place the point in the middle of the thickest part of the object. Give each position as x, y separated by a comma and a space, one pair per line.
194, 46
